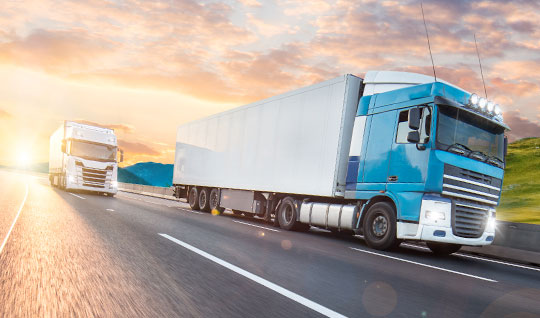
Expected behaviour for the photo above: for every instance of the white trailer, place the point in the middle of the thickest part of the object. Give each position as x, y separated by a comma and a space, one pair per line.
84, 157
293, 143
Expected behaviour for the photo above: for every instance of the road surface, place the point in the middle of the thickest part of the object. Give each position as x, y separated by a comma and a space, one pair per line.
82, 255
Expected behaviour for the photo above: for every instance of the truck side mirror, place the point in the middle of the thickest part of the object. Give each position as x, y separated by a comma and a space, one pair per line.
413, 137
415, 116
121, 155
63, 146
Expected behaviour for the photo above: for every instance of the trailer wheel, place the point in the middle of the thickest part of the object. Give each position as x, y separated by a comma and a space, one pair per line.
204, 200
214, 201
380, 227
443, 248
287, 216
193, 198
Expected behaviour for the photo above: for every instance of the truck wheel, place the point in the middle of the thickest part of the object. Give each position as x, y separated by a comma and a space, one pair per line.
287, 216
380, 227
443, 248
204, 200
193, 198
214, 201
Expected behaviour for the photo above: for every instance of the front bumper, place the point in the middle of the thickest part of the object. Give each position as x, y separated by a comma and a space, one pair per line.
440, 229
107, 188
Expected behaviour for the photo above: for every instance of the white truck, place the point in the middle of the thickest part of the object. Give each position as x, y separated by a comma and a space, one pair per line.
395, 156
84, 157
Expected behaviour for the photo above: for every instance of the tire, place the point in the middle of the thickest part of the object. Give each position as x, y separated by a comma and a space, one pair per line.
380, 227
214, 201
204, 200
193, 198
443, 248
288, 215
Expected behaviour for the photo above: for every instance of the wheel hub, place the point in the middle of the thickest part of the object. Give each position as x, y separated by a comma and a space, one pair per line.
379, 226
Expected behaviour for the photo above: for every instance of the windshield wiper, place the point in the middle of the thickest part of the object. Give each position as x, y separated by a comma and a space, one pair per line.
478, 155
459, 149
496, 161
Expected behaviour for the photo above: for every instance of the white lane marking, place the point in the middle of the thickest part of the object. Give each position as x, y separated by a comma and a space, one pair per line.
186, 210
478, 258
425, 265
14, 221
262, 227
110, 210
498, 262
78, 196
280, 290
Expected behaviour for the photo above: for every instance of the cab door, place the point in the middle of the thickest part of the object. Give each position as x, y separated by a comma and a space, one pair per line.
409, 161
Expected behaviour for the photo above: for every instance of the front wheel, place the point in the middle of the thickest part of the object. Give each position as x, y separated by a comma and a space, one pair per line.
193, 198
380, 227
443, 248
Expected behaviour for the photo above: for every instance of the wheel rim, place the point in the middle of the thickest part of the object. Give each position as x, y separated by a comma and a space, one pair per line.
202, 202
379, 226
192, 197
213, 200
288, 214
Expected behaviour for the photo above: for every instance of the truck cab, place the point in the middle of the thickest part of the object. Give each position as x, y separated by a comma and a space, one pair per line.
432, 152
84, 157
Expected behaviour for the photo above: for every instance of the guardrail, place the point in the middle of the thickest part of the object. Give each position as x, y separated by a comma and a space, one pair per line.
513, 241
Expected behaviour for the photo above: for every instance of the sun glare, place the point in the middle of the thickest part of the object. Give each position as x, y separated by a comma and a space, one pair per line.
24, 158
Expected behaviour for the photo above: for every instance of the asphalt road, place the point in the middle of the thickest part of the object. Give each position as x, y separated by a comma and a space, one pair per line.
82, 255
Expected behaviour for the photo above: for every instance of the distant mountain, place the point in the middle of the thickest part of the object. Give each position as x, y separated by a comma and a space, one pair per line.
153, 173
127, 177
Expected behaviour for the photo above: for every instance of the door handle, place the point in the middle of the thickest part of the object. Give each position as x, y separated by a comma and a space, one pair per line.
392, 178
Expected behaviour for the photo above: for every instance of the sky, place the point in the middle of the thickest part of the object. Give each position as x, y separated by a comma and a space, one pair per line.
145, 67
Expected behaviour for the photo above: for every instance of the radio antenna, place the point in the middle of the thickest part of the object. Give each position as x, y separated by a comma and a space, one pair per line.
480, 63
429, 45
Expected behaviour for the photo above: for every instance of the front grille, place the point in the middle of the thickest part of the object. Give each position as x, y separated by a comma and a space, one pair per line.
94, 177
473, 195
469, 219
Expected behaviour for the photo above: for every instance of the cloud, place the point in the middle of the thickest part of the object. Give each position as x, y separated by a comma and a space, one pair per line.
137, 148
56, 51
250, 3
117, 127
521, 126
4, 114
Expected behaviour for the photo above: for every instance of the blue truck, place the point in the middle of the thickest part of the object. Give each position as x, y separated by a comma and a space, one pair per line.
393, 156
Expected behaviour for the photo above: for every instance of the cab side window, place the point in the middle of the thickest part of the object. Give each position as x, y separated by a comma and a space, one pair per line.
403, 126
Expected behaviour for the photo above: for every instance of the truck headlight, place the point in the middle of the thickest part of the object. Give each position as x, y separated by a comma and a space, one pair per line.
114, 184
71, 179
435, 215
492, 222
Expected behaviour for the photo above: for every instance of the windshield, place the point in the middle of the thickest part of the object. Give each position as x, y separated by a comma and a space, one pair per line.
470, 133
86, 150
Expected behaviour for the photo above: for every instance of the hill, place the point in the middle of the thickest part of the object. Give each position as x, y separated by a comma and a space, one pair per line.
155, 174
128, 177
520, 201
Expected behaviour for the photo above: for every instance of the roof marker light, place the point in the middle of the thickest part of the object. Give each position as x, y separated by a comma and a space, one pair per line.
490, 106
473, 100
498, 110
482, 103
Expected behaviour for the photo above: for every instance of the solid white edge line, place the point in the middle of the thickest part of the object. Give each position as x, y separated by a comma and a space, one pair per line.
425, 265
498, 262
78, 196
14, 221
278, 289
478, 258
262, 227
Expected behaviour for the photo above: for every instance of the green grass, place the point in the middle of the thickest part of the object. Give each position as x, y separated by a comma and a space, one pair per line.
520, 201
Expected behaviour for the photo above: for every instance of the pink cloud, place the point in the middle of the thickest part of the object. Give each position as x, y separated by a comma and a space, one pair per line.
521, 127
